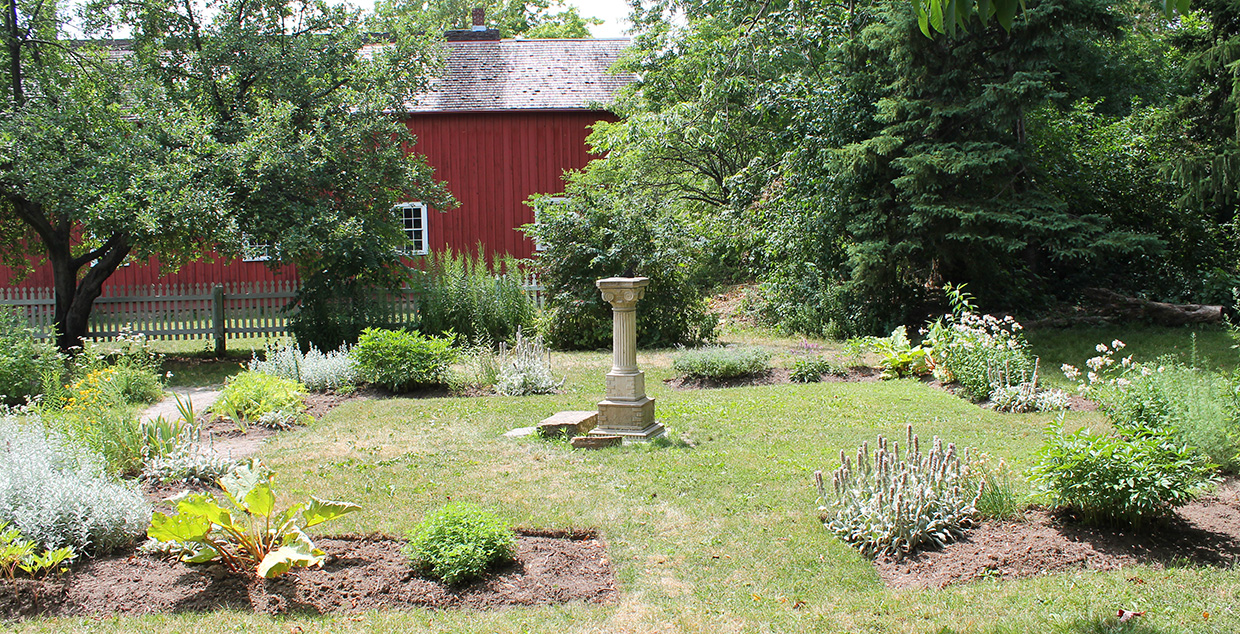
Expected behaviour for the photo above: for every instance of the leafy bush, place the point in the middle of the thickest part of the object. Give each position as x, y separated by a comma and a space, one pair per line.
460, 542
811, 369
898, 357
719, 362
1027, 397
525, 369
887, 504
976, 351
318, 371
460, 293
244, 531
584, 240
26, 363
1130, 476
56, 493
255, 397
401, 360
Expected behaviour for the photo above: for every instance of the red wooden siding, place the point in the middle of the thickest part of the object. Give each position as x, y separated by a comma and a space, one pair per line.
492, 162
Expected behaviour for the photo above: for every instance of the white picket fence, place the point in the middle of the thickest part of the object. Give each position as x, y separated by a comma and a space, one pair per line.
195, 311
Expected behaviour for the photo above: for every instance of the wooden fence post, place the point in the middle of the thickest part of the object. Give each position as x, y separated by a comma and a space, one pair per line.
217, 320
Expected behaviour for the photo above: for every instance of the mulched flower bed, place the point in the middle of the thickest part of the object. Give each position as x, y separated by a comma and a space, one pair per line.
362, 573
1206, 532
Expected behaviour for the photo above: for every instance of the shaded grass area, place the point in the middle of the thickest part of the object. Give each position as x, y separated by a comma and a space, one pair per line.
715, 531
1213, 345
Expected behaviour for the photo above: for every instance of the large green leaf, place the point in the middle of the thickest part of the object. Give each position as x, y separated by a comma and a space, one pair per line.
241, 481
260, 500
181, 527
204, 506
201, 556
299, 552
320, 511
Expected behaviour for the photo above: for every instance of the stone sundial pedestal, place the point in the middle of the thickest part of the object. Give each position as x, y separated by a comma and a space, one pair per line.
626, 411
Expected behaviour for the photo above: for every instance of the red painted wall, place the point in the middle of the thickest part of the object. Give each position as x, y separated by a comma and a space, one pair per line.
491, 161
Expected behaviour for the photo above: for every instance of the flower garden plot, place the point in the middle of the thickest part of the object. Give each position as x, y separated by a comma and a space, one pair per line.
363, 573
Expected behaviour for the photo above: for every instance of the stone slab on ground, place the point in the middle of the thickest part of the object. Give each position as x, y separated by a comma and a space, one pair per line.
521, 431
568, 424
596, 442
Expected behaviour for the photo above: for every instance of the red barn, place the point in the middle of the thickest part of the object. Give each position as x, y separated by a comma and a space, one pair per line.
504, 121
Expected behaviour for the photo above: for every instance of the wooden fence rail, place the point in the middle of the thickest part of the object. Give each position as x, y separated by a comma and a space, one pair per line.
196, 311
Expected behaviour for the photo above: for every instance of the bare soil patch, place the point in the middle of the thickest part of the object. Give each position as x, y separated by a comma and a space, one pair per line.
1206, 532
363, 573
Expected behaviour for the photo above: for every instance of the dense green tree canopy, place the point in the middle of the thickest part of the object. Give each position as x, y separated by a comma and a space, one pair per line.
263, 120
535, 19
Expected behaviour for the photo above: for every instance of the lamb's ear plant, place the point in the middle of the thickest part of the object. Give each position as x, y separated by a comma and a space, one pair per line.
244, 531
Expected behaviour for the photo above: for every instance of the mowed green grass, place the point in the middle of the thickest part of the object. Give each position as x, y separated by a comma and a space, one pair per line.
714, 531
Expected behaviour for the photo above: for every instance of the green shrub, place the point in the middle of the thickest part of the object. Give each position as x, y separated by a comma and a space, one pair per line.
811, 369
719, 362
137, 386
25, 362
584, 240
93, 411
401, 360
459, 542
1130, 476
256, 397
460, 293
888, 504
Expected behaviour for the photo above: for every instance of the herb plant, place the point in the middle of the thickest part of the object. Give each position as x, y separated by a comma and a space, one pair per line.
318, 371
525, 368
886, 504
898, 357
720, 362
459, 542
255, 397
401, 360
19, 553
244, 531
811, 369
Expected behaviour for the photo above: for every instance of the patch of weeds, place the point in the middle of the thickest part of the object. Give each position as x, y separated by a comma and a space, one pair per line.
460, 542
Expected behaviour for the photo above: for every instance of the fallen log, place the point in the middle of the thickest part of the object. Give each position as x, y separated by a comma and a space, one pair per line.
1160, 313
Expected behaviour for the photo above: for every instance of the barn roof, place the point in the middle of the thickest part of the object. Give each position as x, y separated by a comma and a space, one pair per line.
526, 75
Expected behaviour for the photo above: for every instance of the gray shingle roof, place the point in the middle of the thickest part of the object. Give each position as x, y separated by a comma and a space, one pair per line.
526, 75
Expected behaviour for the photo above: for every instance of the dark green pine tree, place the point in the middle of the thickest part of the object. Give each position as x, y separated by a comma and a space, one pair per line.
943, 188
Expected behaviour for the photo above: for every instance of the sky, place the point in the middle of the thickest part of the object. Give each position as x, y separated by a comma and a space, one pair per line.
614, 13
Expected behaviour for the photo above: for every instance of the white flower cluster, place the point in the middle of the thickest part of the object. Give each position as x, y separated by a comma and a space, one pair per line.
1105, 370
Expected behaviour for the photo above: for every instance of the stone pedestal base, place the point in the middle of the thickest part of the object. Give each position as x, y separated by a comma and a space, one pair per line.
634, 420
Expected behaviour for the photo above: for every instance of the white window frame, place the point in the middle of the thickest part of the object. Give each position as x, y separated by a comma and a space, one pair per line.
544, 202
411, 215
252, 251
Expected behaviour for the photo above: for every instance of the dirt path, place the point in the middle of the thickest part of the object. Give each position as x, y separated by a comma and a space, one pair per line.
200, 397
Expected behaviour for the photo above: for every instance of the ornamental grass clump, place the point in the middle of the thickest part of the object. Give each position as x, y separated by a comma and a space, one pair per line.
888, 504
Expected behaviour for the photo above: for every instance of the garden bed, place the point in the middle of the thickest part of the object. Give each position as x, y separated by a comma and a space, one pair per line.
361, 573
1206, 533
774, 376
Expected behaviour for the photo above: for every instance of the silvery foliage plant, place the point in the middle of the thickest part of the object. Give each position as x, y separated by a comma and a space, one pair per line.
57, 494
318, 371
888, 504
525, 369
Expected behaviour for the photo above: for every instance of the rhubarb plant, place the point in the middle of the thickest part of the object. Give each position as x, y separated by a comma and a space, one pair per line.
244, 531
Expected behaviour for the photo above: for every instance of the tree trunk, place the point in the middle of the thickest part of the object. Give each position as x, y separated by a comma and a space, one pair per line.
1160, 313
74, 298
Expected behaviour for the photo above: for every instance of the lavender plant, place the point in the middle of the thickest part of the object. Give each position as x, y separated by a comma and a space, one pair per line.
886, 504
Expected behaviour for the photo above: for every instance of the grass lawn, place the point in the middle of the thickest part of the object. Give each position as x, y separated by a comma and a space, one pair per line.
715, 531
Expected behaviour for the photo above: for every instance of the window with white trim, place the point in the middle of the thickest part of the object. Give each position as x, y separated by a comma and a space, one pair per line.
542, 204
413, 221
254, 251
